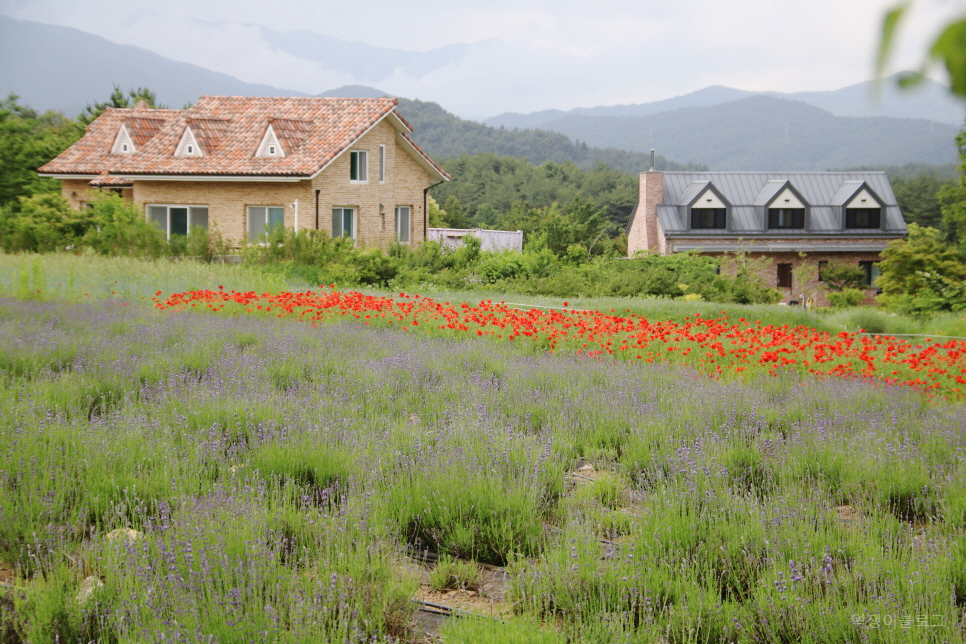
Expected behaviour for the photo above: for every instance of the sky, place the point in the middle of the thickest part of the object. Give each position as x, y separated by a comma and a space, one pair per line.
519, 55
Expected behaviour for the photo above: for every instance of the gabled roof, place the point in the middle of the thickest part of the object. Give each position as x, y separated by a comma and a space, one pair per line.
142, 129
229, 129
694, 190
849, 189
770, 190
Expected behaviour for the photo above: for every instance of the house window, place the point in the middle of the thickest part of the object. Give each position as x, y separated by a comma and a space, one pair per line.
784, 276
863, 217
343, 222
871, 273
786, 217
402, 224
382, 164
262, 219
708, 217
271, 150
176, 219
359, 166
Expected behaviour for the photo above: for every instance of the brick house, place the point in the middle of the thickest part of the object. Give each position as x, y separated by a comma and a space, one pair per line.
343, 165
846, 217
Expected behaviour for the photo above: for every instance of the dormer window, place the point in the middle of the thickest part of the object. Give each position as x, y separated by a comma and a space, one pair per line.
188, 145
786, 217
863, 211
709, 210
270, 145
123, 144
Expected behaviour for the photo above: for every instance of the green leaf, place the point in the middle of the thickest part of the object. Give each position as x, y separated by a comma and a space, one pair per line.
889, 26
950, 47
910, 79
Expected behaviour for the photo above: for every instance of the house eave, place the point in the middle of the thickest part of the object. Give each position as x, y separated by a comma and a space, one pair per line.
260, 178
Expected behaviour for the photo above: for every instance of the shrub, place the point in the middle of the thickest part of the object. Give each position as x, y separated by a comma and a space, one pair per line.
846, 298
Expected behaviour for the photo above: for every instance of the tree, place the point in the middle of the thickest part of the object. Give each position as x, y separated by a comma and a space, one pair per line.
919, 200
914, 269
118, 99
953, 198
27, 141
839, 276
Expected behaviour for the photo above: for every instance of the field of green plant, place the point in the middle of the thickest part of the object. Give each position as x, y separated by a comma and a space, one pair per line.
192, 477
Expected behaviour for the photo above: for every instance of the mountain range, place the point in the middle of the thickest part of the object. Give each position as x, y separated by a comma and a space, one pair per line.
61, 68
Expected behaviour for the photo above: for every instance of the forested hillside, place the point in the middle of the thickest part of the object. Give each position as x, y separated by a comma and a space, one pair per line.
443, 135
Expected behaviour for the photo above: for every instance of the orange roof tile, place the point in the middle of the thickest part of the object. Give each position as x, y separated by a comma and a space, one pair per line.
313, 132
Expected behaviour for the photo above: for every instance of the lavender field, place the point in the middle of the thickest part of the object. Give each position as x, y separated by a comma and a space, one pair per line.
199, 478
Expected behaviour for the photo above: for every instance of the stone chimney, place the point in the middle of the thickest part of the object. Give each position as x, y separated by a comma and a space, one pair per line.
645, 231
142, 105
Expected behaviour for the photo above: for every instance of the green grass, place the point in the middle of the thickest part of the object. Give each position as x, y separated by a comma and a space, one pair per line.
94, 278
276, 473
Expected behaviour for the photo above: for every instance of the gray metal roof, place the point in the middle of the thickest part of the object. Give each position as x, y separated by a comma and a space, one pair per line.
692, 192
772, 187
749, 192
845, 192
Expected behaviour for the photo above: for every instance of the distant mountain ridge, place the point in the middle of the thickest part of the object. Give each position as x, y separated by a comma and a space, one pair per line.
64, 69
768, 133
931, 101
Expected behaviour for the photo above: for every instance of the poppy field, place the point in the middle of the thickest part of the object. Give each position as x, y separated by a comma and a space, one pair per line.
233, 467
717, 346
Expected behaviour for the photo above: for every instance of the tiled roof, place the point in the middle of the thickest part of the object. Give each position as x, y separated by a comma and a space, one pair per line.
290, 133
105, 179
142, 129
313, 132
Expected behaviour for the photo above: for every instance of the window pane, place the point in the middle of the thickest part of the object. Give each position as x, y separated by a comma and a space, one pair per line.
784, 275
382, 163
708, 217
402, 224
179, 221
336, 222
363, 166
256, 222
276, 217
159, 215
199, 217
354, 166
347, 229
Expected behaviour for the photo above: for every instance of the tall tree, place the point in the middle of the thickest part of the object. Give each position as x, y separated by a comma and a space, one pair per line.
27, 141
119, 99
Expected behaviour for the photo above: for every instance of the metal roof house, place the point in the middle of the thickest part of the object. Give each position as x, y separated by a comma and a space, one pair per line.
830, 216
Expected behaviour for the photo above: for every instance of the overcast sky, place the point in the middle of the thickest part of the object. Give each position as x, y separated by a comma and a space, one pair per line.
527, 55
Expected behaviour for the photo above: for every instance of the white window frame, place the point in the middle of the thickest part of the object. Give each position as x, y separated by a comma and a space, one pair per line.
188, 145
270, 147
123, 143
408, 228
382, 163
167, 217
362, 166
355, 221
248, 219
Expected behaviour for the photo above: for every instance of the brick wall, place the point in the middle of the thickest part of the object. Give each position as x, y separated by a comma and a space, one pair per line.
768, 272
374, 202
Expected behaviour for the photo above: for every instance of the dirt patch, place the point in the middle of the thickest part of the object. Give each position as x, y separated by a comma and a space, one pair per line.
7, 574
468, 601
847, 513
